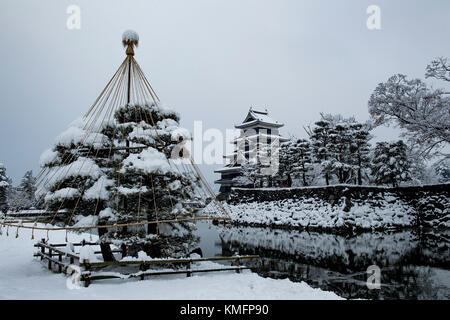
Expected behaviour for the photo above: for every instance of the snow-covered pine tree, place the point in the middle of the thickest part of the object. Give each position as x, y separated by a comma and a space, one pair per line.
148, 186
4, 188
76, 184
340, 148
360, 149
390, 163
295, 160
442, 170
286, 163
250, 175
304, 160
322, 147
347, 147
76, 177
25, 198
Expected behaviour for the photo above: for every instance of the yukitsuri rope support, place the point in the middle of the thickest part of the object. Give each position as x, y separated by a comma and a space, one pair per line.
117, 225
127, 85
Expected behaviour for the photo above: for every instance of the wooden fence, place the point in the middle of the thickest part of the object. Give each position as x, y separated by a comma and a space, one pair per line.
60, 259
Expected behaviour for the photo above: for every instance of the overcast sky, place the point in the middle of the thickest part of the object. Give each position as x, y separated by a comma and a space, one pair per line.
210, 60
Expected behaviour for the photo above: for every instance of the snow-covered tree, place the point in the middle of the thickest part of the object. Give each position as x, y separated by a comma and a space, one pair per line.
4, 188
322, 147
442, 170
250, 175
77, 177
76, 182
422, 112
304, 160
341, 146
390, 163
119, 173
340, 150
148, 186
439, 69
360, 149
296, 160
24, 197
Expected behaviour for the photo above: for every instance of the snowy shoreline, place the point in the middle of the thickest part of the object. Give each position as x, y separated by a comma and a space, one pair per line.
25, 277
340, 208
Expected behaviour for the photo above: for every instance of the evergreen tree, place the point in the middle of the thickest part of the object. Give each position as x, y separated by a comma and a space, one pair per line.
340, 149
295, 160
76, 184
285, 163
76, 179
249, 174
148, 187
5, 185
360, 149
304, 159
322, 147
390, 163
24, 198
442, 170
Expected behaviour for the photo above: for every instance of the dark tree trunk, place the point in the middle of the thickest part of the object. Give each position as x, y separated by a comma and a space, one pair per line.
151, 228
359, 170
105, 247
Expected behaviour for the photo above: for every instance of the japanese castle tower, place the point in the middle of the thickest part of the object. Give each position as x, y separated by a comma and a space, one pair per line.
257, 129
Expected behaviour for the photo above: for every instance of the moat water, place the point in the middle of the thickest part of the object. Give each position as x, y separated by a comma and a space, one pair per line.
413, 265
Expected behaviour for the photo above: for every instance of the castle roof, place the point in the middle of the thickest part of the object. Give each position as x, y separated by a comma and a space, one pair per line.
258, 117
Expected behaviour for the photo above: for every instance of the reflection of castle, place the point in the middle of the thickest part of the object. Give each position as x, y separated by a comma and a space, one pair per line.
258, 130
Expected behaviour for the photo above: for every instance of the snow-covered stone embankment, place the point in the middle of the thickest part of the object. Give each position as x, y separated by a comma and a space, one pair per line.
341, 207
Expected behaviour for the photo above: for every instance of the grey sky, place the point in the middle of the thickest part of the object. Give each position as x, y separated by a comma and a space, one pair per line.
210, 60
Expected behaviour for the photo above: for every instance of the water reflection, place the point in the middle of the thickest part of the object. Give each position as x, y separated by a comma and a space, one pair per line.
413, 265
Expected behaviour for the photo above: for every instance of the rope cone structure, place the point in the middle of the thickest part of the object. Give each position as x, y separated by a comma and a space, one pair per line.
109, 152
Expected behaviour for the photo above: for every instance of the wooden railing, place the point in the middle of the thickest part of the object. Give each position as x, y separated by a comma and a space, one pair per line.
48, 252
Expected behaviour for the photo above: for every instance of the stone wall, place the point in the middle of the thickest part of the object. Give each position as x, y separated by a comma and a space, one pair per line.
428, 205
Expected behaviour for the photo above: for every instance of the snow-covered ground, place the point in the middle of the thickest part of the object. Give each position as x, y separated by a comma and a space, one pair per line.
25, 277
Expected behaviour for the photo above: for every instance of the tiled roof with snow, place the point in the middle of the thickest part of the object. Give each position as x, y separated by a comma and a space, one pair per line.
254, 116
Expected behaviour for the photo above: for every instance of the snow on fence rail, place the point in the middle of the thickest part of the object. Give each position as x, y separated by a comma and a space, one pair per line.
49, 251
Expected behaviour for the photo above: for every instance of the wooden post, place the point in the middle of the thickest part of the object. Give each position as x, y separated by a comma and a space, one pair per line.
86, 277
50, 261
237, 265
87, 280
142, 268
188, 273
86, 264
42, 249
59, 265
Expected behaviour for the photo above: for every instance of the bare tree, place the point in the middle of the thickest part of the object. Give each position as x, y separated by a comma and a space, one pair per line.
439, 69
423, 113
